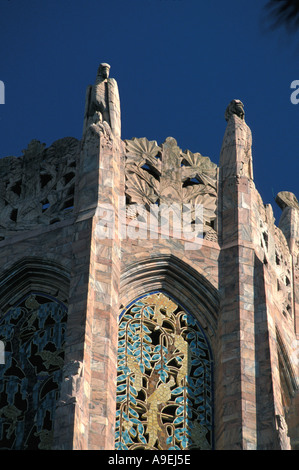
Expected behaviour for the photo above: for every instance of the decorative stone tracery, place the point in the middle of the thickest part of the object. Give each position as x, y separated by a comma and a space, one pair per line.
33, 334
37, 188
165, 175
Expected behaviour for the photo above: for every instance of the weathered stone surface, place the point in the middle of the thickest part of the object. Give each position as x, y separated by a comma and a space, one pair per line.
256, 300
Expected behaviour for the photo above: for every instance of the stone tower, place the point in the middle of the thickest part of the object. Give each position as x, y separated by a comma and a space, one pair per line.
147, 298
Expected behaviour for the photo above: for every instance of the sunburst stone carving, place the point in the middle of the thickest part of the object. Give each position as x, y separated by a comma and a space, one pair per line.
142, 151
165, 175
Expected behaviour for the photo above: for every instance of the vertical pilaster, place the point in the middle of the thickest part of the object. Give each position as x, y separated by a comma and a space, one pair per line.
72, 413
86, 411
236, 368
103, 298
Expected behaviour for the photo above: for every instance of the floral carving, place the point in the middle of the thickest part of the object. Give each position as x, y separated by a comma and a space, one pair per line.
37, 188
140, 191
142, 151
165, 175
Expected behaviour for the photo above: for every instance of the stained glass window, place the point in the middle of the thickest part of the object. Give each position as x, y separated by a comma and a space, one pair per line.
33, 335
164, 383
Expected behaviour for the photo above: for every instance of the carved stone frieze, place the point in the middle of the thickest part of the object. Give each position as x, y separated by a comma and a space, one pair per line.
272, 249
38, 187
284, 274
164, 175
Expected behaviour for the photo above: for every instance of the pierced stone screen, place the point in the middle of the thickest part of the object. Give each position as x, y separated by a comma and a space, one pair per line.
33, 335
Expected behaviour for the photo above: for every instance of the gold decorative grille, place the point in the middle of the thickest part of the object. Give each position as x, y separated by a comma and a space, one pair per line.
33, 335
164, 383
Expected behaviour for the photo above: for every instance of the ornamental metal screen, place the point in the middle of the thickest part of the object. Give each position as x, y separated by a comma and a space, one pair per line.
164, 383
33, 335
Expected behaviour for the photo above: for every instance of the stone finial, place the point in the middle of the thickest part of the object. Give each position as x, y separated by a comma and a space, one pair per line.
104, 70
102, 107
286, 199
234, 107
236, 151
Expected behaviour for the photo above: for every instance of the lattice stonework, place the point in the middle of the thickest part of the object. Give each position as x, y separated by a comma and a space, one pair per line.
33, 334
164, 384
164, 176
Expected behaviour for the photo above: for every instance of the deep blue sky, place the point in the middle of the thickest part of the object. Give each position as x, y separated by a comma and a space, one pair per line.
178, 63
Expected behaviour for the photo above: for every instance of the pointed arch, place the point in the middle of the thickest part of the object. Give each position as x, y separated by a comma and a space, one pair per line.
33, 322
32, 274
182, 308
175, 277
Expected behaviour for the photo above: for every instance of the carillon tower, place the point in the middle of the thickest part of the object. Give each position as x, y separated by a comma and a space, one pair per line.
148, 300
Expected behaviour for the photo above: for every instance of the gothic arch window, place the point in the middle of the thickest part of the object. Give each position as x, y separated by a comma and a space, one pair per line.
33, 334
164, 384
